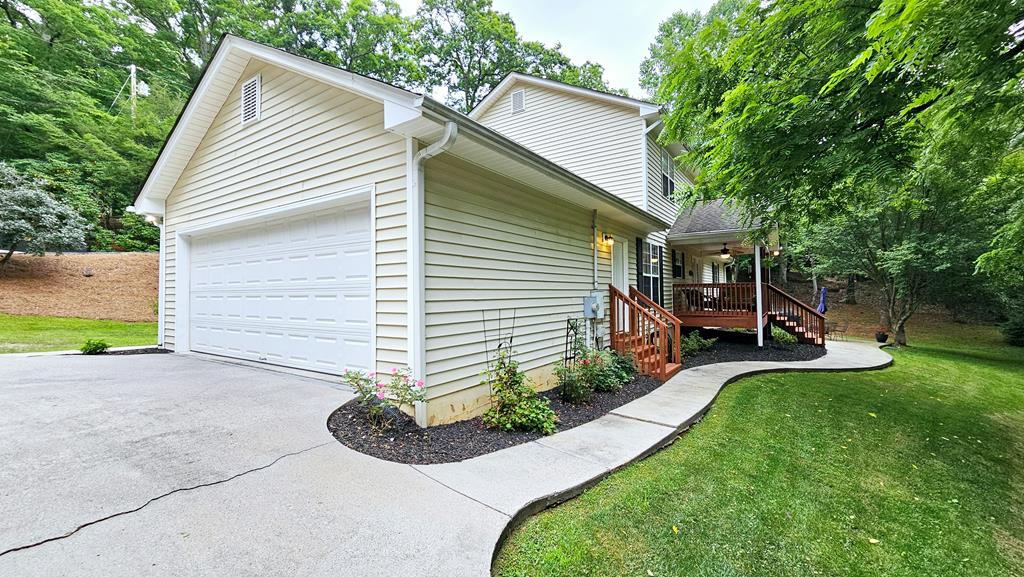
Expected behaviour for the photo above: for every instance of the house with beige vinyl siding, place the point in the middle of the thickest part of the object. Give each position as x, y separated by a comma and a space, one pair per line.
321, 220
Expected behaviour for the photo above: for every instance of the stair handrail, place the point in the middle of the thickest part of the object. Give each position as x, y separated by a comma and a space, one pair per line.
659, 367
818, 323
677, 324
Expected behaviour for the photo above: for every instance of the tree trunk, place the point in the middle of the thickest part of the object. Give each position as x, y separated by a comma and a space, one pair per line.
7, 257
901, 334
783, 270
885, 319
850, 298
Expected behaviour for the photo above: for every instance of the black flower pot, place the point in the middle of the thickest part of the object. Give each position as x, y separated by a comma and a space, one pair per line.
881, 337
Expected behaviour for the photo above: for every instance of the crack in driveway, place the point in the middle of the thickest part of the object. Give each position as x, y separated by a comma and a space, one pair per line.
158, 497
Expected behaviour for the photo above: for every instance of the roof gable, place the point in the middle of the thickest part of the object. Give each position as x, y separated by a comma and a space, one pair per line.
517, 79
219, 78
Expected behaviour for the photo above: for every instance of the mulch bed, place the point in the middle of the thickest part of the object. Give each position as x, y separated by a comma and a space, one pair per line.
408, 443
145, 351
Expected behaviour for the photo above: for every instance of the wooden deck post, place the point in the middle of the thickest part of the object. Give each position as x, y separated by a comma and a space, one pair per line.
758, 292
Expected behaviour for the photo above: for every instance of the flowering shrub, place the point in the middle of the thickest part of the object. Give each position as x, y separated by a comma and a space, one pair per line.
515, 405
595, 370
384, 399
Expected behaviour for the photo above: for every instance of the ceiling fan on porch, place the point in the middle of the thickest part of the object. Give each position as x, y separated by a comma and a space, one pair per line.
725, 254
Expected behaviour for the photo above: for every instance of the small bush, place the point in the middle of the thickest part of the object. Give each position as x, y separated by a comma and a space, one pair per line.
693, 343
623, 366
572, 385
1013, 330
383, 400
94, 347
782, 338
515, 405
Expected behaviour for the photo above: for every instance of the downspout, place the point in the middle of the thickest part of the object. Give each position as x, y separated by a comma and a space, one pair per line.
592, 324
416, 274
594, 227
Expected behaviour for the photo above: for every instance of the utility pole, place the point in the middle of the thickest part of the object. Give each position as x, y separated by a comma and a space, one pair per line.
134, 91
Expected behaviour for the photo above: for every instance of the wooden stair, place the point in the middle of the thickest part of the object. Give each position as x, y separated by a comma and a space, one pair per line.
644, 329
794, 317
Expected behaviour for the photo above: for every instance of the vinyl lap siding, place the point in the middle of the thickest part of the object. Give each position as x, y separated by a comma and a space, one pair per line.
311, 139
598, 141
494, 248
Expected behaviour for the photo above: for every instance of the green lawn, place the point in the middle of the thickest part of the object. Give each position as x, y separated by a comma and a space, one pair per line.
915, 470
21, 334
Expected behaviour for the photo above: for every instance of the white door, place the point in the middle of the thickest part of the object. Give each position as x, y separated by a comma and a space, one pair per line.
292, 291
620, 267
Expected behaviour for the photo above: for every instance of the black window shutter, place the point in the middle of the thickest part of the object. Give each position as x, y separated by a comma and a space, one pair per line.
661, 276
640, 264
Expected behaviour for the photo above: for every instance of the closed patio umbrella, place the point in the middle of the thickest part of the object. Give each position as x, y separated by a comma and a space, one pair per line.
821, 302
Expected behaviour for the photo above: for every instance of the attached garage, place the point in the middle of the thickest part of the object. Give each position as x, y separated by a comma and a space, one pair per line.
288, 290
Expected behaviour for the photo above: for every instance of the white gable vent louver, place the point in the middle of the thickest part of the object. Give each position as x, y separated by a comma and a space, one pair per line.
251, 100
518, 101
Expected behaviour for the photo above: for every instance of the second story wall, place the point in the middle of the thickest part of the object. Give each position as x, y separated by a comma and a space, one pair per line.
659, 201
600, 141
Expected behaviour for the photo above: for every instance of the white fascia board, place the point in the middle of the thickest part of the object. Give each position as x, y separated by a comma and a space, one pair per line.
341, 78
368, 87
644, 108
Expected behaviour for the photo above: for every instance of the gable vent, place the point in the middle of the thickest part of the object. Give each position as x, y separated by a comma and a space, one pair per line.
251, 100
518, 101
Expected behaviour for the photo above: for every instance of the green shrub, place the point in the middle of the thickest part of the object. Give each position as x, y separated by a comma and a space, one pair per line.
94, 347
692, 343
515, 405
623, 366
572, 384
1013, 330
782, 337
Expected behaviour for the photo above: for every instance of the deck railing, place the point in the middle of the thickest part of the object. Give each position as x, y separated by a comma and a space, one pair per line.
636, 330
714, 299
786, 306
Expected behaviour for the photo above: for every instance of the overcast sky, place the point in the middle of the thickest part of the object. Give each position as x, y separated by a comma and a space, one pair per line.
613, 33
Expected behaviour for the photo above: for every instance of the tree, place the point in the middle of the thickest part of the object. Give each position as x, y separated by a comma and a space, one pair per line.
468, 48
33, 221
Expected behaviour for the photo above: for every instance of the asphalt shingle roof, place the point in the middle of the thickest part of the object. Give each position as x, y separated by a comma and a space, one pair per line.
711, 216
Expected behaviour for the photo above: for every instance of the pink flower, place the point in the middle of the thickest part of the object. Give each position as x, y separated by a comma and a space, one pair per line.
380, 385
371, 374
380, 395
419, 383
586, 362
394, 371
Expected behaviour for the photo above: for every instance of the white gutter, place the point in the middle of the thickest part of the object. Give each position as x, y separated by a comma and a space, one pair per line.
417, 320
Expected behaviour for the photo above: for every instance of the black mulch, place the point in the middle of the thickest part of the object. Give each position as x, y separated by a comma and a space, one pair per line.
408, 443
145, 351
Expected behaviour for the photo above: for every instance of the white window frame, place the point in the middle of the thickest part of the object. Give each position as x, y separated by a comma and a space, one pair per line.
512, 101
259, 99
668, 174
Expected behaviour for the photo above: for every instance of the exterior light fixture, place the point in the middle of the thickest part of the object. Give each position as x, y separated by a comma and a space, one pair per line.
725, 254
609, 239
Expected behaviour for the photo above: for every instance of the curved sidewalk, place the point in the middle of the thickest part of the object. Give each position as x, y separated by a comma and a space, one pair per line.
520, 481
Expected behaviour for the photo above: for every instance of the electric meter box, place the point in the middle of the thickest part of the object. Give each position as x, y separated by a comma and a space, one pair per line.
593, 305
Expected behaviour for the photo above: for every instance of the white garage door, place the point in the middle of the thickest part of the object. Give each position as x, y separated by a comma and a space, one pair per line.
293, 291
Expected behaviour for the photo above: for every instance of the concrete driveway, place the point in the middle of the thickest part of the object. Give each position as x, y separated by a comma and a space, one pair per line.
178, 465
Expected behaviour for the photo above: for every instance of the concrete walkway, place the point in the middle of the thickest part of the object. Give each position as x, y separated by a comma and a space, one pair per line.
296, 502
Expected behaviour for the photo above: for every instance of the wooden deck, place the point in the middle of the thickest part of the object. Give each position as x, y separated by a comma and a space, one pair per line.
734, 305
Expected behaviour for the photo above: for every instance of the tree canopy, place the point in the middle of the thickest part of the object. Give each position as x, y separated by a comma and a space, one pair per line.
877, 132
66, 119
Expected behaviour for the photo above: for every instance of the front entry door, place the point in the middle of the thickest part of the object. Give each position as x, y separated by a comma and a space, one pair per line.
620, 268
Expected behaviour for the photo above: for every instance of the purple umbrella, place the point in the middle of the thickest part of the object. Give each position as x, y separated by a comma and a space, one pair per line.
821, 302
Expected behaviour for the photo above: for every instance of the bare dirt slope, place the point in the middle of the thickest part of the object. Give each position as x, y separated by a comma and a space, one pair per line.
123, 286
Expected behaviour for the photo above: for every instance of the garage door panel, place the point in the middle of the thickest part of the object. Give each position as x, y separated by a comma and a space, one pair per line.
294, 292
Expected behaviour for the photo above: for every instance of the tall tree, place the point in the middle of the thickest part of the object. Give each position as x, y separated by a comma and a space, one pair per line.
468, 47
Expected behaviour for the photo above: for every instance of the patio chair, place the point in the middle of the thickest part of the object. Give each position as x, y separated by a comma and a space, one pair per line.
839, 330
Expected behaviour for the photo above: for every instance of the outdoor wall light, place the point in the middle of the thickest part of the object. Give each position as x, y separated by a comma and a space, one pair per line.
609, 239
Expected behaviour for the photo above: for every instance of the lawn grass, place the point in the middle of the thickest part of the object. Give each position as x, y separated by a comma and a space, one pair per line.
915, 470
21, 334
